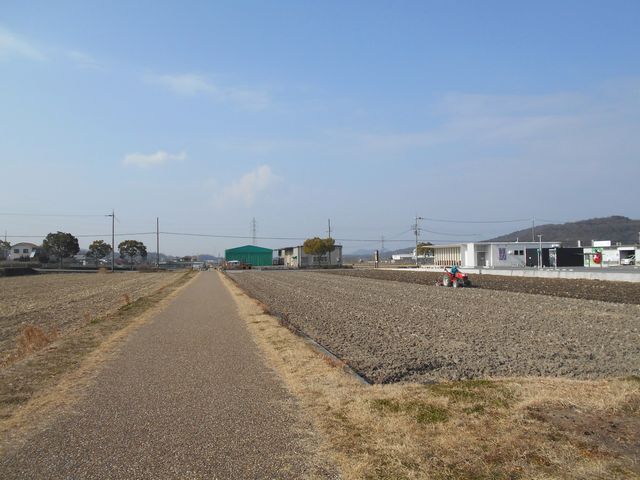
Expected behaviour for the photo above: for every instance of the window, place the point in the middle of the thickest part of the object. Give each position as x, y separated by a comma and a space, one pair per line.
25, 250
502, 253
16, 250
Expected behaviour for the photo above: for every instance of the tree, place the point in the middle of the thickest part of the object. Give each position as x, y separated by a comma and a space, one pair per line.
61, 245
98, 249
132, 249
318, 246
5, 248
425, 248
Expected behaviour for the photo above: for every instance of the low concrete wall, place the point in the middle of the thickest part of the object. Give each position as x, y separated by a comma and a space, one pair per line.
606, 274
16, 271
588, 274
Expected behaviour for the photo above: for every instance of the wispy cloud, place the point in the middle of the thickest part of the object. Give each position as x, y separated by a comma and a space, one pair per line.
248, 187
83, 60
153, 159
11, 45
190, 84
552, 126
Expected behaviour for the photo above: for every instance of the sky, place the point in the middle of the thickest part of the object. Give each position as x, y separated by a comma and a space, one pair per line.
207, 115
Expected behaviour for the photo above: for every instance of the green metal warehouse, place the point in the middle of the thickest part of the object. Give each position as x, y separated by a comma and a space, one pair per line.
250, 254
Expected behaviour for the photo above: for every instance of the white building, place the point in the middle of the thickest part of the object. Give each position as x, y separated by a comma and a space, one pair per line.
294, 257
23, 250
486, 254
426, 259
611, 254
403, 257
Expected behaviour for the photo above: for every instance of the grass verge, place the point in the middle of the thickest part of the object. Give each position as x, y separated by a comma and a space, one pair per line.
37, 386
512, 428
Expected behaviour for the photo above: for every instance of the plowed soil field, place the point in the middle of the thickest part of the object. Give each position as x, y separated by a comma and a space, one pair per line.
403, 331
606, 291
62, 302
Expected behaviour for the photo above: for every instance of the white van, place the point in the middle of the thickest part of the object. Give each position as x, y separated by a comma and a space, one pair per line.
629, 260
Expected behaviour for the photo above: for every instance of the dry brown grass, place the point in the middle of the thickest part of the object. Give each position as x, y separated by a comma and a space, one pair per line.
32, 339
62, 301
511, 428
34, 388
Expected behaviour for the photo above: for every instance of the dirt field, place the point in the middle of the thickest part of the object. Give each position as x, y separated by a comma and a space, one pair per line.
501, 429
391, 331
64, 302
91, 315
614, 292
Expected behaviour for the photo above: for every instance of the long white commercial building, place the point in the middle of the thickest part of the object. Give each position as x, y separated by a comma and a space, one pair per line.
487, 254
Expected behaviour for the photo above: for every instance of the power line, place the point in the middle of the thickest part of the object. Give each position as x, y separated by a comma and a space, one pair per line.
454, 234
520, 220
87, 235
244, 237
550, 221
47, 215
236, 237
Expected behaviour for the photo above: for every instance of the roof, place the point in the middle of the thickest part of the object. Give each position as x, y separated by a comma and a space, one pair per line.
301, 246
448, 245
32, 245
249, 249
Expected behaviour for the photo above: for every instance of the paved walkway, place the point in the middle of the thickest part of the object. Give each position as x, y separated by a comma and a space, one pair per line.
188, 397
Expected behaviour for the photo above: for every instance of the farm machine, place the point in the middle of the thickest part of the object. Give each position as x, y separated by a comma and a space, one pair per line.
456, 279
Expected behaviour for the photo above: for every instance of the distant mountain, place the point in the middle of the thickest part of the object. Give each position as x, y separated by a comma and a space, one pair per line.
205, 256
363, 252
615, 228
366, 253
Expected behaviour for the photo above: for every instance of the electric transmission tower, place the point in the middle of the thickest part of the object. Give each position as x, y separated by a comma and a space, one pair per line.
253, 231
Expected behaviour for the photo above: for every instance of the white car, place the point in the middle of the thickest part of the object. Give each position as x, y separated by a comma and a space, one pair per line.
629, 260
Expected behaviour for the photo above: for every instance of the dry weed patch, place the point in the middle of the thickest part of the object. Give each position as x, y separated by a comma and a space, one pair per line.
502, 428
32, 339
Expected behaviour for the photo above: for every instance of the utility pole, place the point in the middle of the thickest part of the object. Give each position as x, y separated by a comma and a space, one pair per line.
158, 243
539, 251
381, 243
253, 231
416, 230
113, 239
329, 231
533, 229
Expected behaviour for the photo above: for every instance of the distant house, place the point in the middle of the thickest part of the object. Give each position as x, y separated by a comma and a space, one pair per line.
294, 257
23, 250
404, 257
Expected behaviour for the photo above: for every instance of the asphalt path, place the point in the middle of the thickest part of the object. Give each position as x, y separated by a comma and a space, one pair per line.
188, 396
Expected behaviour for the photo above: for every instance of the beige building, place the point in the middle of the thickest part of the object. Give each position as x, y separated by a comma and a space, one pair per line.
294, 257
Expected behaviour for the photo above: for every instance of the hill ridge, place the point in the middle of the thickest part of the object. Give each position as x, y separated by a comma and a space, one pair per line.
617, 228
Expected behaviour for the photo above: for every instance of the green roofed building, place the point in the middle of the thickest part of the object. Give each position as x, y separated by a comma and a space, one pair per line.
250, 254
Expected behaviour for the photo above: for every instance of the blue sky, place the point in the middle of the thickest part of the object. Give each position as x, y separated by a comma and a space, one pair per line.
209, 114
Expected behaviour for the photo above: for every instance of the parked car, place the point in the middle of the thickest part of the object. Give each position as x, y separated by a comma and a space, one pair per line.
629, 260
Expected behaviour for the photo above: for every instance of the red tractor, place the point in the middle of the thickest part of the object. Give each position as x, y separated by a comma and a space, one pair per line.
455, 280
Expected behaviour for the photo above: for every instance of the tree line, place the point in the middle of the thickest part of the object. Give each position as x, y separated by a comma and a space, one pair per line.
61, 245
